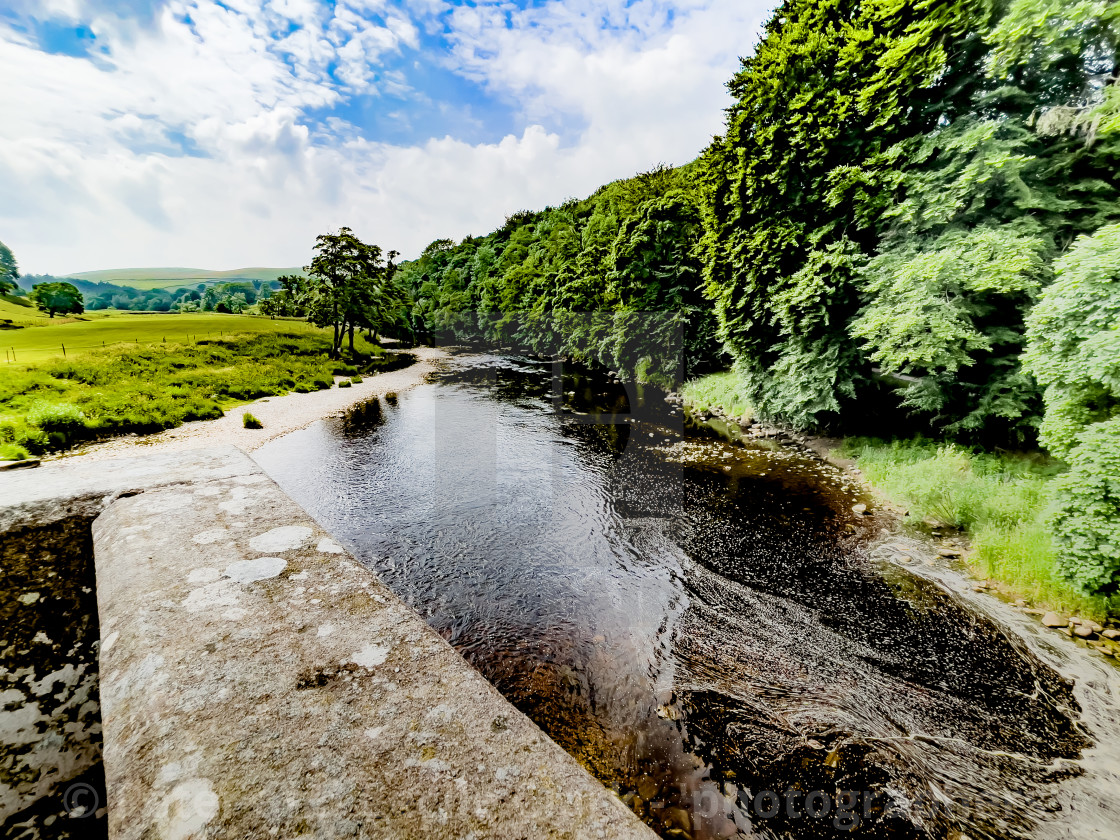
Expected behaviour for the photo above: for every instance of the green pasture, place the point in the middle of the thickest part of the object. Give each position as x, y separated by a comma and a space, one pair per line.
99, 330
146, 279
51, 405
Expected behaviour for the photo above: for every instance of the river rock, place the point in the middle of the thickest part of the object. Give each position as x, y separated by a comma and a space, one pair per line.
677, 818
647, 787
1111, 633
1052, 619
859, 509
1083, 631
949, 552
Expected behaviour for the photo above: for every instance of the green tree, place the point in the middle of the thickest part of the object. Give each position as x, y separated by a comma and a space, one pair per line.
349, 286
62, 298
792, 192
962, 258
9, 270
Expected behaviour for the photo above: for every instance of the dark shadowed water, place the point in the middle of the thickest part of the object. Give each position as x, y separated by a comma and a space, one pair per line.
697, 622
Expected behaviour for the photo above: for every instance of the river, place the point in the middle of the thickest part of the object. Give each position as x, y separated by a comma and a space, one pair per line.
702, 623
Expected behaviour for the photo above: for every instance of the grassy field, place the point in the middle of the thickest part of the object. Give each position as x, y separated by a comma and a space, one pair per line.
127, 387
102, 329
20, 312
173, 278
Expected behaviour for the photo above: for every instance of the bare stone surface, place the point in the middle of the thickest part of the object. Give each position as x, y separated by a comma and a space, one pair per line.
59, 490
256, 681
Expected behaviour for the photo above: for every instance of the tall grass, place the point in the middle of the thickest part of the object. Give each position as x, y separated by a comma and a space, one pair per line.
999, 500
717, 389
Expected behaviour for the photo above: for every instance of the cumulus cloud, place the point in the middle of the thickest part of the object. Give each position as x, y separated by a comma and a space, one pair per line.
190, 134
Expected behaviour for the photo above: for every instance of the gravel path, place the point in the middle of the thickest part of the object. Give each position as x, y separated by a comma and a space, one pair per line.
278, 415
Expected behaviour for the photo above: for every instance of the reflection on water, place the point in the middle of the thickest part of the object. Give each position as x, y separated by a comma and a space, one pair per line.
696, 630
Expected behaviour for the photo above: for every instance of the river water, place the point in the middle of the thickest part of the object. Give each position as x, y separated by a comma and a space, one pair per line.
701, 623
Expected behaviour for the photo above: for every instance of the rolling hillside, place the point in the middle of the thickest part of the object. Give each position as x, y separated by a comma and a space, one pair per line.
171, 278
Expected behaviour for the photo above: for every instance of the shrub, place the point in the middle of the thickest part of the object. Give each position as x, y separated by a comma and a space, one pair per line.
17, 433
13, 452
345, 383
1086, 511
1073, 348
56, 417
250, 422
357, 380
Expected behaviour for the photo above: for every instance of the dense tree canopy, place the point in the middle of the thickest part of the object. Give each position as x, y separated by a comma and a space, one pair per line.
613, 279
891, 193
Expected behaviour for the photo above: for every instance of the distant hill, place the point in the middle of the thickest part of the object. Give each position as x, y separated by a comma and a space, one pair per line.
172, 278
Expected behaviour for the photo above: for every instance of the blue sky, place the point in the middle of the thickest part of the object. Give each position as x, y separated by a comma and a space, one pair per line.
227, 133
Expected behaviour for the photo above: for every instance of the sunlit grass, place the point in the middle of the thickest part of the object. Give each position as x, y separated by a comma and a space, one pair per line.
99, 330
146, 388
999, 500
717, 389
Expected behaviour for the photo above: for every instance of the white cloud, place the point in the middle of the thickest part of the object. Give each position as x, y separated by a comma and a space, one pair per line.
86, 149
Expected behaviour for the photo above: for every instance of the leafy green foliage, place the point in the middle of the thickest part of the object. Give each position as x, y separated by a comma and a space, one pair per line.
349, 286
1074, 351
793, 189
250, 421
717, 389
1086, 512
1074, 340
891, 192
612, 279
9, 270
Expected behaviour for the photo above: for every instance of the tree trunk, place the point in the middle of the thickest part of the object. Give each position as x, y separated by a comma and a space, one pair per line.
351, 340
